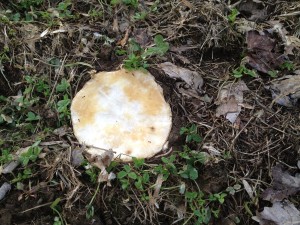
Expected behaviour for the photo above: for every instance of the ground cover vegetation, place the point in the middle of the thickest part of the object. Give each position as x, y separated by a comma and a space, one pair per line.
230, 71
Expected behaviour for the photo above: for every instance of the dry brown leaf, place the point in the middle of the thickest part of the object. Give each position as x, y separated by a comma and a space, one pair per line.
286, 90
253, 10
192, 78
77, 157
230, 100
188, 4
283, 185
248, 189
281, 213
290, 42
102, 162
263, 52
157, 187
115, 25
141, 36
124, 40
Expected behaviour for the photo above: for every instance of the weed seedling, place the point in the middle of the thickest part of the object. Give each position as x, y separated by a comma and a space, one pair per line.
54, 206
288, 65
232, 16
90, 210
63, 107
31, 154
137, 57
191, 134
242, 70
6, 156
140, 16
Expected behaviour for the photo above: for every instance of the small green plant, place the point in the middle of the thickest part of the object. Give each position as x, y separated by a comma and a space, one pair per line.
242, 70
134, 174
63, 9
27, 173
32, 117
6, 156
232, 16
63, 86
133, 3
95, 13
26, 4
31, 154
191, 134
90, 210
273, 73
202, 207
137, 58
140, 15
192, 158
92, 172
129, 175
288, 65
57, 221
63, 107
55, 207
233, 189
220, 197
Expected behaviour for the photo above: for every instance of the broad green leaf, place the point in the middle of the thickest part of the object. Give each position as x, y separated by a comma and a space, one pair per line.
132, 175
63, 86
121, 174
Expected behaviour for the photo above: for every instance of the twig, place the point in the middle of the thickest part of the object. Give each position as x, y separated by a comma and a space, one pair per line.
39, 206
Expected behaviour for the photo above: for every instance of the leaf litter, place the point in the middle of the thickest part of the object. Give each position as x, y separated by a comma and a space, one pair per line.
191, 78
286, 90
283, 186
264, 53
230, 100
281, 213
282, 210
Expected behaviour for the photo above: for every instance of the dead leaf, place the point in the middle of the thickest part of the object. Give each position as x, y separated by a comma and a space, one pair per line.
179, 209
248, 189
290, 42
61, 131
157, 187
77, 157
115, 25
283, 185
263, 52
102, 161
188, 4
230, 100
192, 78
4, 189
286, 90
30, 35
141, 36
281, 213
124, 40
253, 10
243, 25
